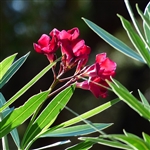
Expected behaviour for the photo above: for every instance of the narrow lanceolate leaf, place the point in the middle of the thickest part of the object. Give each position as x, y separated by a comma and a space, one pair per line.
144, 100
53, 145
13, 69
21, 114
87, 115
135, 23
7, 111
145, 26
129, 99
146, 138
136, 40
99, 140
27, 86
77, 130
5, 64
49, 114
85, 145
144, 18
134, 142
113, 41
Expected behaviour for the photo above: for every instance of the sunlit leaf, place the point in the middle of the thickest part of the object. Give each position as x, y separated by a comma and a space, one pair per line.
13, 69
49, 114
87, 114
77, 130
144, 100
99, 140
135, 23
7, 111
27, 86
53, 145
21, 114
146, 138
113, 41
134, 142
145, 26
129, 99
136, 40
5, 65
146, 20
85, 145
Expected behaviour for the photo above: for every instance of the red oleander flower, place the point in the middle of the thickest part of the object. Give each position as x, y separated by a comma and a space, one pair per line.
47, 45
73, 49
102, 69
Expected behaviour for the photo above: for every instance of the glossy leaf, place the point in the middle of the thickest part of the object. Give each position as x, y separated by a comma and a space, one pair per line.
133, 141
5, 65
136, 40
136, 24
7, 111
99, 140
145, 19
27, 86
85, 145
21, 114
13, 69
145, 26
129, 99
49, 114
87, 115
53, 145
113, 41
144, 100
146, 138
77, 130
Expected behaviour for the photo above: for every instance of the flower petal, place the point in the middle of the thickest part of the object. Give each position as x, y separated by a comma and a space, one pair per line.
100, 57
44, 40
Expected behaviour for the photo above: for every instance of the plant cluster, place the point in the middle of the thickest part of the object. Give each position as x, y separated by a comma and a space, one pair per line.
97, 78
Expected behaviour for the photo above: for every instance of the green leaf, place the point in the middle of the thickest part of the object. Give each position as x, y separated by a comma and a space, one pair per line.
5, 64
49, 114
146, 138
144, 100
113, 41
146, 20
135, 23
21, 114
13, 69
77, 130
129, 99
145, 26
53, 145
134, 142
7, 111
87, 115
85, 145
99, 140
27, 86
136, 40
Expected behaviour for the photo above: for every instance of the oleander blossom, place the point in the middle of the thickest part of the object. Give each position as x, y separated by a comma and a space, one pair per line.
74, 50
48, 45
102, 69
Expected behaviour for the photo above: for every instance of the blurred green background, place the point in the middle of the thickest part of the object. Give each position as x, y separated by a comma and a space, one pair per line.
23, 21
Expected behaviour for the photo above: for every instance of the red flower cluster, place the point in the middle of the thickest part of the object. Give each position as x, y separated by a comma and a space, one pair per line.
76, 53
102, 69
